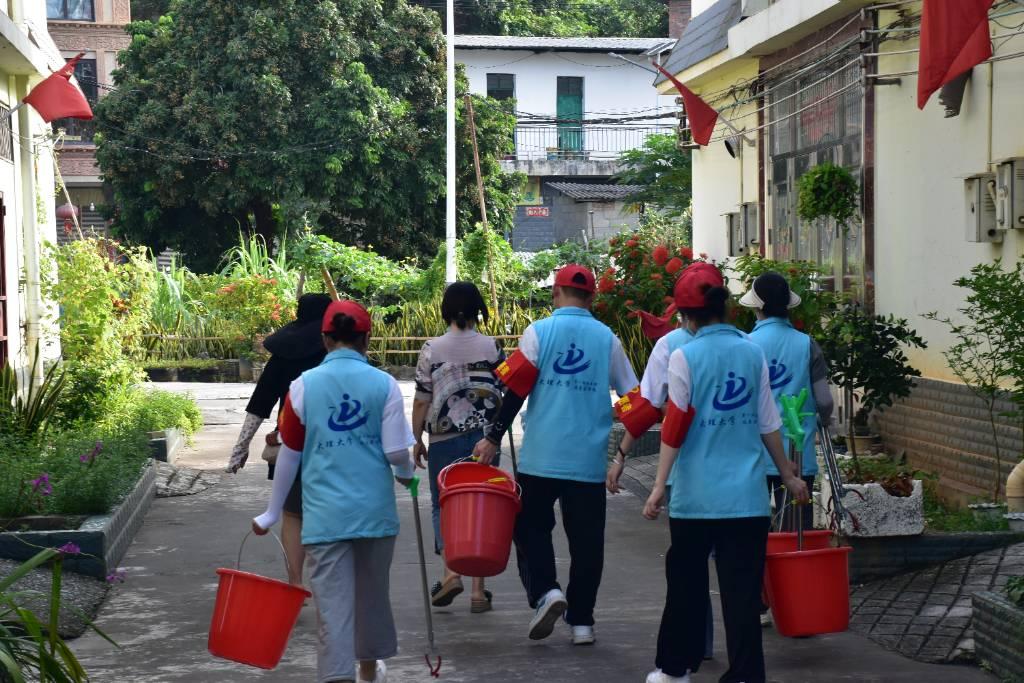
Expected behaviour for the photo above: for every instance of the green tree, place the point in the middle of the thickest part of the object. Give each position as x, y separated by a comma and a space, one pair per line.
251, 114
663, 170
633, 18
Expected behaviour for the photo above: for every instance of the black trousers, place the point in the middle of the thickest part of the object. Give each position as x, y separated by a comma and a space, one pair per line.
789, 521
739, 558
583, 517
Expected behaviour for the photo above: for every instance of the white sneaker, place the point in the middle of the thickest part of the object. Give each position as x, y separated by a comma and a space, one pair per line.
766, 619
657, 676
583, 635
381, 675
549, 609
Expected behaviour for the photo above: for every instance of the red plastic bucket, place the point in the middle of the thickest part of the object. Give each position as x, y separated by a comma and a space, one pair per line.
460, 473
477, 522
809, 591
786, 542
253, 616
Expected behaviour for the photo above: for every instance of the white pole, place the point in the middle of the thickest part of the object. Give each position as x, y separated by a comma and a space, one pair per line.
449, 270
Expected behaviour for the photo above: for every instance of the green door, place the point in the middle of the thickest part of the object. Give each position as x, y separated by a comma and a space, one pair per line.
570, 115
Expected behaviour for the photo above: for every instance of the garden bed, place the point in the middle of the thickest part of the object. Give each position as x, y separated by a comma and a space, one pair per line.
103, 539
999, 635
164, 445
882, 557
211, 371
648, 444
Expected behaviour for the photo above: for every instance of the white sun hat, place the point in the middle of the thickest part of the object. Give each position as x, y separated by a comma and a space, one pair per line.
765, 282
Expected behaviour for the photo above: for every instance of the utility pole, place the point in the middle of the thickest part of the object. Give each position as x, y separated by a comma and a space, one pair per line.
450, 272
483, 204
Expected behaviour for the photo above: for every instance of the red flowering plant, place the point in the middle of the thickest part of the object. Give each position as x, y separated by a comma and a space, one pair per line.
804, 279
252, 306
645, 265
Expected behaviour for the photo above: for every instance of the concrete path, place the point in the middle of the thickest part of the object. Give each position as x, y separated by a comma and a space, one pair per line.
161, 615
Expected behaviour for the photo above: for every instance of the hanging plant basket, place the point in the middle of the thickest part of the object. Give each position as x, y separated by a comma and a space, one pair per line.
828, 191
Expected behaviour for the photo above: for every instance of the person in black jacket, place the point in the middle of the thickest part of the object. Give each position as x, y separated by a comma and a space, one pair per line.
295, 348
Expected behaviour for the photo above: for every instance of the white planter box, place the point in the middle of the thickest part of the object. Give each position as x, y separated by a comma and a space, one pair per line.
878, 513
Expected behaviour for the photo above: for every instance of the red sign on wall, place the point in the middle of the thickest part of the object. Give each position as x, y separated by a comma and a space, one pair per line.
538, 211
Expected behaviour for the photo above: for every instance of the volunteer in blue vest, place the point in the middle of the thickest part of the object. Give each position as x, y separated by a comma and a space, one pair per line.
639, 411
721, 413
565, 364
345, 421
795, 362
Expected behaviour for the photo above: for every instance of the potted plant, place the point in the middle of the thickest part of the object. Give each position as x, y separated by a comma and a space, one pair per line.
868, 363
828, 191
988, 356
999, 629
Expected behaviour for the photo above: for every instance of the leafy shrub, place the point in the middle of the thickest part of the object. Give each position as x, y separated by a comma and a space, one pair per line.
151, 410
815, 305
1015, 590
105, 296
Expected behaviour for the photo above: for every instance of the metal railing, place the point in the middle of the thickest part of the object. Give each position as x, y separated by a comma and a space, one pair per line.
581, 143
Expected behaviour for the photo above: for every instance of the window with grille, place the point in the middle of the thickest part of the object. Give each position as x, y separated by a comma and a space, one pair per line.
815, 116
70, 10
79, 130
6, 135
501, 86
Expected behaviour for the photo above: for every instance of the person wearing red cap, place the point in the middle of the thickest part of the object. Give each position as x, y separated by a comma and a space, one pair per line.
345, 421
721, 414
565, 364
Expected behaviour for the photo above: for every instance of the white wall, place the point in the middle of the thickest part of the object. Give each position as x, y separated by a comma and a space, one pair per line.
718, 178
610, 86
921, 159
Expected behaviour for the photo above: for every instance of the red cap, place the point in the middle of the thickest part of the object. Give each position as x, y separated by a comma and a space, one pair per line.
696, 279
349, 308
576, 276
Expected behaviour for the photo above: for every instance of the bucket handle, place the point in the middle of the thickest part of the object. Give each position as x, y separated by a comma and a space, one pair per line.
443, 474
238, 562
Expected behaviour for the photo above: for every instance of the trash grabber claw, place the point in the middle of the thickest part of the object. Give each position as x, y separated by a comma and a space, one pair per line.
431, 657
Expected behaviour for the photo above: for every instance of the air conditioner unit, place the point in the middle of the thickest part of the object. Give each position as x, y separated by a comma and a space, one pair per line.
743, 229
1010, 194
980, 200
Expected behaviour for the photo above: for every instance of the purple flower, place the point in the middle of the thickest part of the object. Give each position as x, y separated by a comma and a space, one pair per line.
87, 458
70, 548
117, 576
42, 485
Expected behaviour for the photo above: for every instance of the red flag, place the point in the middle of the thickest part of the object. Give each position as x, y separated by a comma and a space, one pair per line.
654, 327
58, 98
954, 38
701, 116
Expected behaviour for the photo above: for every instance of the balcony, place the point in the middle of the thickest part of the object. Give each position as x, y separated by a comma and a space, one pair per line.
576, 150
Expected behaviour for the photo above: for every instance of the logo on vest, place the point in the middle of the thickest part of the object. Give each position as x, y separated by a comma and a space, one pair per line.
734, 395
571, 362
778, 374
348, 415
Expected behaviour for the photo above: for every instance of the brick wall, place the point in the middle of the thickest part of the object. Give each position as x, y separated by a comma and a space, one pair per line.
678, 17
945, 429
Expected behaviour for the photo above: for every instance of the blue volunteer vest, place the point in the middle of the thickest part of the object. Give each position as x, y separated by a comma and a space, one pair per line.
347, 484
720, 471
570, 409
788, 352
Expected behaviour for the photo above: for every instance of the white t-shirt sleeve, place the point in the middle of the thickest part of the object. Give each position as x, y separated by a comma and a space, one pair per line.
296, 394
529, 344
679, 379
767, 412
654, 385
620, 370
396, 434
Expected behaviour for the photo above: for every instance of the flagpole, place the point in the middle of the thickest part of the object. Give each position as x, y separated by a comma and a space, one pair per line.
449, 263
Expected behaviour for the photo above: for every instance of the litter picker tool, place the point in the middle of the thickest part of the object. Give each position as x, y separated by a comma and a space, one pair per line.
835, 475
431, 657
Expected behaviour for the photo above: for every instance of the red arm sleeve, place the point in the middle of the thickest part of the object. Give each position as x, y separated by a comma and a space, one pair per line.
518, 374
636, 413
677, 424
290, 428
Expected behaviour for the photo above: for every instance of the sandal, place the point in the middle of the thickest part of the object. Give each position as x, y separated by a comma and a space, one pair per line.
478, 606
442, 594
